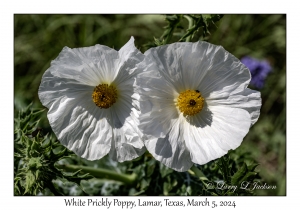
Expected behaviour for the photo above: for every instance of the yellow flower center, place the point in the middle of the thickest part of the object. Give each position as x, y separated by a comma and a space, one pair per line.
190, 102
104, 96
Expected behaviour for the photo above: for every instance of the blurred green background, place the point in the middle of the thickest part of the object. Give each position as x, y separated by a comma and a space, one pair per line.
38, 39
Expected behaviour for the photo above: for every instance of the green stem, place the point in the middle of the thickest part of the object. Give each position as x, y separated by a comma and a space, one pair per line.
102, 173
197, 172
168, 33
191, 23
225, 169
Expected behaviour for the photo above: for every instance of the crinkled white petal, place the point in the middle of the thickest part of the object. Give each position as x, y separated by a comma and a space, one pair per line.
125, 148
201, 66
171, 150
227, 76
249, 100
166, 61
154, 84
157, 103
76, 121
127, 142
53, 88
157, 121
214, 131
88, 65
129, 58
97, 64
67, 87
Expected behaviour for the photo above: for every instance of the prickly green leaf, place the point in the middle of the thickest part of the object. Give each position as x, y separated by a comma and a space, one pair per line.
144, 184
59, 150
34, 163
65, 187
46, 142
249, 176
165, 170
92, 186
235, 179
252, 167
29, 181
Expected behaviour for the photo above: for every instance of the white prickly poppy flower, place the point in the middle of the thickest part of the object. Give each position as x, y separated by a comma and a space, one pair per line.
195, 104
92, 102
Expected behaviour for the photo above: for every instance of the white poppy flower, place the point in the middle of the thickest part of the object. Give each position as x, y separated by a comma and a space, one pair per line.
92, 102
195, 104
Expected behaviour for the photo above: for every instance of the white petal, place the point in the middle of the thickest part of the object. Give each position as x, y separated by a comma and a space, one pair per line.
211, 133
157, 103
171, 150
76, 121
180, 64
202, 66
153, 85
129, 58
88, 65
81, 126
249, 100
224, 74
165, 59
54, 88
124, 148
127, 141
125, 114
157, 121
128, 50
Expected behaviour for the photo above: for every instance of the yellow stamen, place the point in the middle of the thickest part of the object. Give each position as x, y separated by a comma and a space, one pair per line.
190, 102
104, 96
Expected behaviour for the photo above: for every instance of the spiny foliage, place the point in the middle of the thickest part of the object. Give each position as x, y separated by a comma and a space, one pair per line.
198, 27
40, 161
226, 176
35, 155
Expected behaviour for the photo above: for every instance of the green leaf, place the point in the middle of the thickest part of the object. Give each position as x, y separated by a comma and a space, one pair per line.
150, 167
166, 187
34, 163
249, 176
91, 187
164, 171
252, 167
59, 150
46, 142
65, 187
29, 181
189, 190
46, 192
144, 184
235, 179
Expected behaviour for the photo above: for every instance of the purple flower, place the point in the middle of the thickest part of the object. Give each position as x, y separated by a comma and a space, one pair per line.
259, 70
